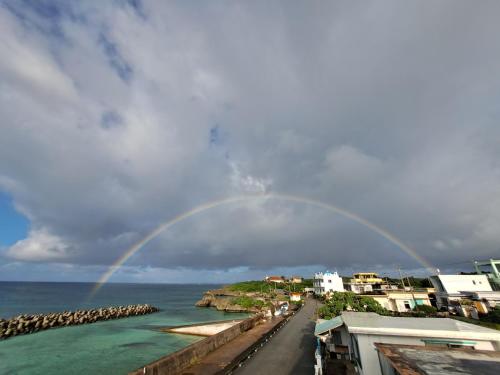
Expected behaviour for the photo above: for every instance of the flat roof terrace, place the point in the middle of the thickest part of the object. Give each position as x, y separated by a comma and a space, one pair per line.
428, 360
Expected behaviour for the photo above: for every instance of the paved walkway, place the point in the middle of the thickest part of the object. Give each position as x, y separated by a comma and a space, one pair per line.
216, 361
290, 351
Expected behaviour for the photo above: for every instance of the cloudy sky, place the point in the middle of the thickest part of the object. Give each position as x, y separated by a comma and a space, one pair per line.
118, 116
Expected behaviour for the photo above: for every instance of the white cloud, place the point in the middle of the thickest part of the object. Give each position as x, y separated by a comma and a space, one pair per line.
388, 110
243, 183
39, 246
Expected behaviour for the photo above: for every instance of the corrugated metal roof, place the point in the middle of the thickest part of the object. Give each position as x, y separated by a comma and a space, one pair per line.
325, 326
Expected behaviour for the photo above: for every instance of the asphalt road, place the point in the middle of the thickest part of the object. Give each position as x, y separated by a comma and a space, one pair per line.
290, 351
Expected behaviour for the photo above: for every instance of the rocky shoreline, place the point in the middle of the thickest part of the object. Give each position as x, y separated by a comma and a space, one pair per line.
226, 300
24, 324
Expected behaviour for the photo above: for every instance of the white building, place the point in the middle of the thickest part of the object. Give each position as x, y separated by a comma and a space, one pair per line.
327, 282
401, 300
457, 287
354, 334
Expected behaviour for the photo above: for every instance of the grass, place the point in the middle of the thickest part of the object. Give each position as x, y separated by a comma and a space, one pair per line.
251, 286
247, 302
265, 287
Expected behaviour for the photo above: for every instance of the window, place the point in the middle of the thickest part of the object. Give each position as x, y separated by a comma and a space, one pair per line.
449, 343
474, 282
329, 281
407, 305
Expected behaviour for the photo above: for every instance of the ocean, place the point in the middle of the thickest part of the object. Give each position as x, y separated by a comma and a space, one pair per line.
108, 347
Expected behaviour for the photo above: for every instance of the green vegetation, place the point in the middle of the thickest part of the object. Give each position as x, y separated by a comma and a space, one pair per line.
259, 286
428, 310
306, 283
493, 316
342, 301
247, 302
252, 286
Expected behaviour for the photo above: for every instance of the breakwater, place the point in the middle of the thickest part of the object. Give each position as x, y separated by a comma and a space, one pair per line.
24, 324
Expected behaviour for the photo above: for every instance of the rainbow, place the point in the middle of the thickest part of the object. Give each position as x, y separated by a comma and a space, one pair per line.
290, 198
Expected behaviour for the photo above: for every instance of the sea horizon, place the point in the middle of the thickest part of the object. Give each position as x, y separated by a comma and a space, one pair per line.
106, 347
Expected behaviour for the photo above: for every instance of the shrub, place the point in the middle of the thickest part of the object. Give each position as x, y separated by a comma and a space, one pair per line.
251, 286
493, 316
247, 302
428, 310
342, 301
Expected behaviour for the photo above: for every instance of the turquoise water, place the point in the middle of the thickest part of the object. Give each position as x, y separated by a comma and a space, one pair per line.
110, 347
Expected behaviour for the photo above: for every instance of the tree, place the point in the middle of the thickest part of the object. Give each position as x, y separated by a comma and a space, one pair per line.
349, 301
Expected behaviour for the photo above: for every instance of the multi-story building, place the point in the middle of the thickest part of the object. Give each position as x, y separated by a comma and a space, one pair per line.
401, 300
327, 282
364, 282
453, 288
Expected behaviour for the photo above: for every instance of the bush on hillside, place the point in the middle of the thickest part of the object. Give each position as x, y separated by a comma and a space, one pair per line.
252, 286
247, 302
428, 310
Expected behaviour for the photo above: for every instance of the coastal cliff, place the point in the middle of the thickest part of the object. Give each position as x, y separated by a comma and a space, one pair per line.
229, 301
253, 296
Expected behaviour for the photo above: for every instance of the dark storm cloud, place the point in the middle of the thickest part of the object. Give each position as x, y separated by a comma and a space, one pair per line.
387, 109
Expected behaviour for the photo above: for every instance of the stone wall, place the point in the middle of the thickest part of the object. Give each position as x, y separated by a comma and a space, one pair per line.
176, 362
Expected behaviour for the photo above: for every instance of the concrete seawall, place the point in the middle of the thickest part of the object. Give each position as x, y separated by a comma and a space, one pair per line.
175, 363
24, 324
205, 329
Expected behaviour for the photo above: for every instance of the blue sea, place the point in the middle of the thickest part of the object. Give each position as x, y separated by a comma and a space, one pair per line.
108, 347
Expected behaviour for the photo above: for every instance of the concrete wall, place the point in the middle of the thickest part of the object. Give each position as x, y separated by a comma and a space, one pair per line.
176, 362
203, 329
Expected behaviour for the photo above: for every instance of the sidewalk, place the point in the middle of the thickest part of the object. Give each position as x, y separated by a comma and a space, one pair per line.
234, 351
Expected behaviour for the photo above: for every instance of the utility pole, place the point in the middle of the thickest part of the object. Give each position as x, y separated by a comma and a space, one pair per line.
401, 278
411, 290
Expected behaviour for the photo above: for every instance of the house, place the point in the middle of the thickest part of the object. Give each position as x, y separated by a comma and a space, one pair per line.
275, 279
450, 289
364, 282
401, 300
416, 360
327, 282
353, 335
295, 296
296, 279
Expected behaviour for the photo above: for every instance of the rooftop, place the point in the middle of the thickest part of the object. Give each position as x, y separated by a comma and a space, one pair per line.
372, 323
429, 360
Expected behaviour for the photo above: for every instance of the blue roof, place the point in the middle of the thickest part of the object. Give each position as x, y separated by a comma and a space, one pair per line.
328, 325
